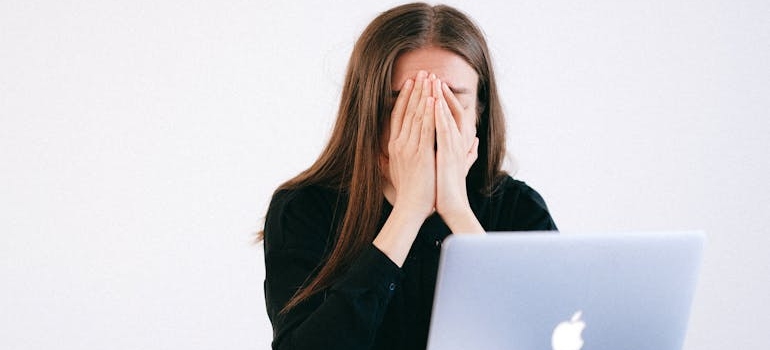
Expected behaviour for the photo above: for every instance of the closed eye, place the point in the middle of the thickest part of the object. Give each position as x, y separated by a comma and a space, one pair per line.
458, 90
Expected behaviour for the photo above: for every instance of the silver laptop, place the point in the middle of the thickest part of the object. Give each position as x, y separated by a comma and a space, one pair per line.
565, 291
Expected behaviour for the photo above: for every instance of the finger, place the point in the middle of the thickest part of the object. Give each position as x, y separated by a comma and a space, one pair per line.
414, 102
439, 115
419, 112
443, 131
437, 94
428, 136
454, 104
397, 115
474, 150
473, 154
450, 130
416, 125
456, 108
452, 126
429, 84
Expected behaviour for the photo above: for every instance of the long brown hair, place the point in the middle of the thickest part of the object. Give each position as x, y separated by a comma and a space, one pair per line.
349, 163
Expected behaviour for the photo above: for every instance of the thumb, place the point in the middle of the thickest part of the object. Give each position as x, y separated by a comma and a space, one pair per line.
473, 154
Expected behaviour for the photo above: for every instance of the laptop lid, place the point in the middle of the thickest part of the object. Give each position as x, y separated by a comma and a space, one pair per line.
565, 291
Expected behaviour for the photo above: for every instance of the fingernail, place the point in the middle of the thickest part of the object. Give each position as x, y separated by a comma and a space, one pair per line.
408, 83
422, 74
432, 76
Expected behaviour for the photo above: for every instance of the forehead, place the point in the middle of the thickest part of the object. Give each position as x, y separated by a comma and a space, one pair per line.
448, 66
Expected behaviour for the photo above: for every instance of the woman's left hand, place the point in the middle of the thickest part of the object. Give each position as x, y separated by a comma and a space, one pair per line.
456, 150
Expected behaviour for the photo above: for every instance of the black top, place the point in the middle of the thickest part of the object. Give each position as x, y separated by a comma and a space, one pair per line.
376, 304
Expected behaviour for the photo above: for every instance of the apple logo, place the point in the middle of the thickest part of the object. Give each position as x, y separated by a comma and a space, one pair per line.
567, 335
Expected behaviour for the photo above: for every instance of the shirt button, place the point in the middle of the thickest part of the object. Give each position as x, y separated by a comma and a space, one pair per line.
392, 286
438, 243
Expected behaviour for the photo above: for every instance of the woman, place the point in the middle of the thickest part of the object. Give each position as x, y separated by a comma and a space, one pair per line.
352, 243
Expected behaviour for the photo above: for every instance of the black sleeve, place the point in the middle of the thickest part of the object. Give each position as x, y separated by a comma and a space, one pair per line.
345, 316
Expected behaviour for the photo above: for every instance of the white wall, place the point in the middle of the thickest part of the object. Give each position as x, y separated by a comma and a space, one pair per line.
140, 141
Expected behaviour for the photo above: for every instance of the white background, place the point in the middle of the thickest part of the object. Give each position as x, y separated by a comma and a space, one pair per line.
140, 142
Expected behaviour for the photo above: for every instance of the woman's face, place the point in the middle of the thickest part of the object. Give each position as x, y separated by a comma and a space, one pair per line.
450, 68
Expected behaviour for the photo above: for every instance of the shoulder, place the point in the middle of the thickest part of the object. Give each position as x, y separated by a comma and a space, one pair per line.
516, 192
301, 217
304, 197
519, 207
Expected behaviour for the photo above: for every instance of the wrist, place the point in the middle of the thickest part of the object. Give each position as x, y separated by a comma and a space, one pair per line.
462, 221
458, 210
397, 235
410, 213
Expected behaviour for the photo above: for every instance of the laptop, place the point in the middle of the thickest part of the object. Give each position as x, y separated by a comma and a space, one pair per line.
575, 291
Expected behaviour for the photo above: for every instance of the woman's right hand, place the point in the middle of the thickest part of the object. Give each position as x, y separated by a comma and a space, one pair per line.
411, 153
